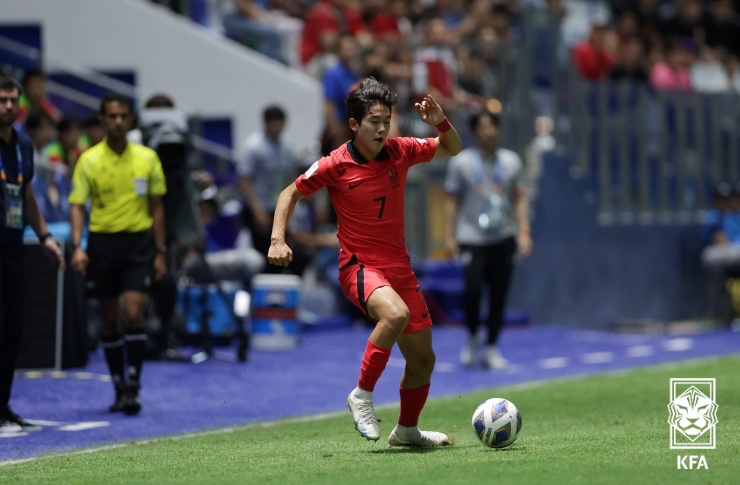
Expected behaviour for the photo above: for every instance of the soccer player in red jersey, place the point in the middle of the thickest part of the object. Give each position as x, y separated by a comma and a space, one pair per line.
366, 179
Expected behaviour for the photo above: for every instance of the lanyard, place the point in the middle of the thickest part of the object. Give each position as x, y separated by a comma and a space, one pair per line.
481, 179
3, 176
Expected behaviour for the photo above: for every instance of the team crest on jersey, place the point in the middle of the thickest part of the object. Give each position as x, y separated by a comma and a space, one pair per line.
393, 176
421, 140
312, 169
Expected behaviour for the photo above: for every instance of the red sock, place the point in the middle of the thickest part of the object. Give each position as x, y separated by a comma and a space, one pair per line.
373, 364
412, 402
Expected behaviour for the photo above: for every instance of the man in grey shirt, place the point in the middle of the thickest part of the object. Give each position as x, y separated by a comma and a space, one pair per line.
487, 223
267, 164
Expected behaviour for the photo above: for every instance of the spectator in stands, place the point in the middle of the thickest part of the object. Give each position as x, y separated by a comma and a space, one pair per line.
487, 224
51, 181
386, 20
266, 163
630, 62
65, 150
721, 256
672, 73
709, 73
721, 229
437, 58
250, 24
40, 129
338, 81
239, 263
478, 12
18, 207
722, 27
594, 56
686, 23
34, 97
324, 24
94, 131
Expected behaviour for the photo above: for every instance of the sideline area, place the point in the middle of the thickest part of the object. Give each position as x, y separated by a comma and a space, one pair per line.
313, 378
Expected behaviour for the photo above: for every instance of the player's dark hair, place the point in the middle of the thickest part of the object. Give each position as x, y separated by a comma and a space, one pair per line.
475, 118
367, 94
8, 84
115, 98
273, 113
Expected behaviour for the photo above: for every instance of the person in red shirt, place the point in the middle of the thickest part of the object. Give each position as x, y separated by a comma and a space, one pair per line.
324, 24
593, 57
366, 179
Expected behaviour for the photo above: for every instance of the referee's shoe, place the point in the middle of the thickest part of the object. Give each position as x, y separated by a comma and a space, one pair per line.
8, 418
131, 401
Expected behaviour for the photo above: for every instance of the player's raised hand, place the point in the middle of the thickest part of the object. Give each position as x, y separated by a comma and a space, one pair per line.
430, 111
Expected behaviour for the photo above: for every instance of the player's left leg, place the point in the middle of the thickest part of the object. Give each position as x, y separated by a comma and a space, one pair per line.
417, 349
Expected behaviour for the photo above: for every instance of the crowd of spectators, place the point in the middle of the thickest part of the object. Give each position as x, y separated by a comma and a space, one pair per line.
676, 45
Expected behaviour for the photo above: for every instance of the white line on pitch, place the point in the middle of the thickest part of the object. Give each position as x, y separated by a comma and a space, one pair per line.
554, 363
597, 357
640, 351
678, 344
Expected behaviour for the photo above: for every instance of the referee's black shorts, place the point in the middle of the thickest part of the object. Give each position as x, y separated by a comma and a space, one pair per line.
119, 262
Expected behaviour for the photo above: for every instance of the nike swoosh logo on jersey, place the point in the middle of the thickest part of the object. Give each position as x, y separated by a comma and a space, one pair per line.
352, 186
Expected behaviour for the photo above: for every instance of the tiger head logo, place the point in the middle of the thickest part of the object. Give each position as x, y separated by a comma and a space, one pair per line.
692, 413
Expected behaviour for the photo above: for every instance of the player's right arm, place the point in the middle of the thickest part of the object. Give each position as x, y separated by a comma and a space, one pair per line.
279, 253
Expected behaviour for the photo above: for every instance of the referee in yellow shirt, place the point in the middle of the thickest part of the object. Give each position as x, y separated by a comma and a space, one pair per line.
126, 241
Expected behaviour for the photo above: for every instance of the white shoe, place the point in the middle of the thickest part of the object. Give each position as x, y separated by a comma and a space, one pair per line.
7, 426
495, 360
364, 414
470, 351
402, 436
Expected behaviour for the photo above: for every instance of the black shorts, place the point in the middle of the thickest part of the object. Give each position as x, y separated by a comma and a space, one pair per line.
119, 262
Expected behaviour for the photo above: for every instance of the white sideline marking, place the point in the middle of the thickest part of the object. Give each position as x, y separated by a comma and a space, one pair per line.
597, 357
554, 363
640, 351
678, 344
84, 426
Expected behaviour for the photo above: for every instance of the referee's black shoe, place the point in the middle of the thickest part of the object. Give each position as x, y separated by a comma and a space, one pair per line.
118, 404
131, 402
9, 416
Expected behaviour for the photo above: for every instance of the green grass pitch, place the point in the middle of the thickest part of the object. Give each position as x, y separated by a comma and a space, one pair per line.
609, 428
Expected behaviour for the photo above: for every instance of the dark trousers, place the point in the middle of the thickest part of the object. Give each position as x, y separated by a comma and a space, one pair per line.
490, 265
12, 286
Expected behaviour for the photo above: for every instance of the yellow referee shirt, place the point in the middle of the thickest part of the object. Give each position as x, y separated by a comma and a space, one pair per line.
119, 186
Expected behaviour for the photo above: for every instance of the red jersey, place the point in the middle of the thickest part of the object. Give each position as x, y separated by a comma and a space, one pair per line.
368, 197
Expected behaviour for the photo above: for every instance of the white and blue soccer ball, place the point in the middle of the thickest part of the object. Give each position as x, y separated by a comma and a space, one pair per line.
497, 422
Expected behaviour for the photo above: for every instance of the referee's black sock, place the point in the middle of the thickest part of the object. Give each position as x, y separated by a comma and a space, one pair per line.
113, 348
135, 350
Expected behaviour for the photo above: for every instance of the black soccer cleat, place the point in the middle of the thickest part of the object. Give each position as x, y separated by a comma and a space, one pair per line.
131, 401
117, 406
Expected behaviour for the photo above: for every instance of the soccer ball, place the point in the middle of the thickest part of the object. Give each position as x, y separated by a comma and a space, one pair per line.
497, 422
